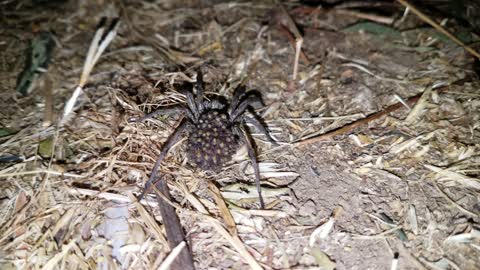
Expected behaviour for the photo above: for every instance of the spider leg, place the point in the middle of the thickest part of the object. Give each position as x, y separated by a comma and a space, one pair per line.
163, 110
173, 139
251, 153
192, 106
250, 100
259, 126
200, 91
238, 94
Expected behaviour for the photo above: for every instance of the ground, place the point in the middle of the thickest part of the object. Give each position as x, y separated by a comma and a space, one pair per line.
400, 190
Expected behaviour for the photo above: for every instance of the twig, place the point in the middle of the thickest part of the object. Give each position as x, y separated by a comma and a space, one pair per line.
222, 206
322, 118
108, 196
401, 100
349, 127
172, 256
445, 195
291, 39
290, 24
379, 235
419, 106
173, 228
372, 117
346, 10
5, 175
362, 15
439, 28
148, 219
234, 240
59, 256
98, 45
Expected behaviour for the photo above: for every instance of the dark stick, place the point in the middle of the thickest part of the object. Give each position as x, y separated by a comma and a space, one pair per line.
349, 127
175, 234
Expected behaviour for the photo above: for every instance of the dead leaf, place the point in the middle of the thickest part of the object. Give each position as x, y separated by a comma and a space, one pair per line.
322, 259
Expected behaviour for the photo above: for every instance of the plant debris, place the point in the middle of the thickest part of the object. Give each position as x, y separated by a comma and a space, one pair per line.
38, 56
383, 123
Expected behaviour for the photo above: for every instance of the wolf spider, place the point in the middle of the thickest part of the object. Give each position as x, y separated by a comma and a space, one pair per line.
215, 130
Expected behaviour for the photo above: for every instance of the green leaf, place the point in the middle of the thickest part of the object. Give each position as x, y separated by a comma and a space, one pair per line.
5, 132
38, 56
45, 148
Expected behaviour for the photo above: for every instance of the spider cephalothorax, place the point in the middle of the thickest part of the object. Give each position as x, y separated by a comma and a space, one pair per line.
215, 129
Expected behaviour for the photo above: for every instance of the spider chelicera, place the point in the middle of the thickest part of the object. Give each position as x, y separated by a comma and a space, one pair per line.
215, 129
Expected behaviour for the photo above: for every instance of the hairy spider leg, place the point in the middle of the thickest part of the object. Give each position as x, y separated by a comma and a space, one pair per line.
192, 105
238, 94
200, 91
243, 106
173, 139
259, 126
251, 153
164, 110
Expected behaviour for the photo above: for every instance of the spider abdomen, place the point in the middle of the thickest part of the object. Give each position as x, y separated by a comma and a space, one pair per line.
211, 142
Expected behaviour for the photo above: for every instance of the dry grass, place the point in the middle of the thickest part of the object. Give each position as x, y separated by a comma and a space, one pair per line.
71, 200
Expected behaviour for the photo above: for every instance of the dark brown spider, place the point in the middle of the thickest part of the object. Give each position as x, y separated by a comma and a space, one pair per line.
214, 128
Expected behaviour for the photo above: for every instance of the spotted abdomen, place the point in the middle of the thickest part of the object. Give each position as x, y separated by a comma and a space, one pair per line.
211, 143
